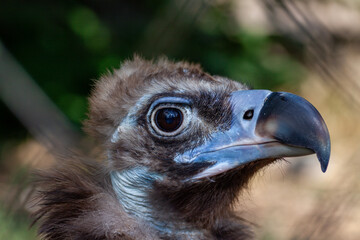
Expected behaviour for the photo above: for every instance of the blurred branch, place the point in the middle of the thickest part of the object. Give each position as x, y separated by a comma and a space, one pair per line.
32, 107
171, 25
298, 21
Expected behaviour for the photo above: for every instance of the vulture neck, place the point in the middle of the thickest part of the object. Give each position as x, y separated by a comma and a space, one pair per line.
132, 187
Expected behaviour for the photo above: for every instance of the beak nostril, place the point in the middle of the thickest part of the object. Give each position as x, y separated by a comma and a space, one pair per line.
248, 115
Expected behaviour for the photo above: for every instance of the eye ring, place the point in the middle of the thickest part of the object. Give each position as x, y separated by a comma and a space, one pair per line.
169, 120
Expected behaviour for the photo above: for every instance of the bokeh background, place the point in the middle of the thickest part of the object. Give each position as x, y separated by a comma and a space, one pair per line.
51, 51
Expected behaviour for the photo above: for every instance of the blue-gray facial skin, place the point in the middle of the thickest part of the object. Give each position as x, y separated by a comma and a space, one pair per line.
264, 125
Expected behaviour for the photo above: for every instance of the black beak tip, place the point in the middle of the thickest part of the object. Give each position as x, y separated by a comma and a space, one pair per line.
323, 146
324, 167
324, 157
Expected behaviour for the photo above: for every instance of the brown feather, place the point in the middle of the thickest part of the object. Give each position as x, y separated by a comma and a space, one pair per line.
75, 202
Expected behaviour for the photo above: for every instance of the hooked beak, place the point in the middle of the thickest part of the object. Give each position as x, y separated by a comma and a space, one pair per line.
265, 125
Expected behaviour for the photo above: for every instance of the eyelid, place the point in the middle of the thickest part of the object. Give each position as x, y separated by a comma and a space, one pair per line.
173, 100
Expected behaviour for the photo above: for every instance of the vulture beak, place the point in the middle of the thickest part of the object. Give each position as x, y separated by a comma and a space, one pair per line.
265, 125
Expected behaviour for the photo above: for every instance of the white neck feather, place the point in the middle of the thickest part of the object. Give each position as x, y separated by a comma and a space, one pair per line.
132, 187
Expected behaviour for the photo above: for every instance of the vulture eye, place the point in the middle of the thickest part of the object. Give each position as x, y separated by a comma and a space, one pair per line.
169, 119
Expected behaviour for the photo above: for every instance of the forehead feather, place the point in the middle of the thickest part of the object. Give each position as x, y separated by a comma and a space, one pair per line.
115, 93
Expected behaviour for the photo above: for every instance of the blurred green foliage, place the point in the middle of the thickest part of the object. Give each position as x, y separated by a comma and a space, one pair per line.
15, 226
66, 44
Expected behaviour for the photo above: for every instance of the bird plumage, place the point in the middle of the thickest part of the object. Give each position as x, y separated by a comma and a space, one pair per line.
146, 187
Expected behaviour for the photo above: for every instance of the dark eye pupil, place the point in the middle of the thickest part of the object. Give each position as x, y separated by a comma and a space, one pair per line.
168, 119
248, 115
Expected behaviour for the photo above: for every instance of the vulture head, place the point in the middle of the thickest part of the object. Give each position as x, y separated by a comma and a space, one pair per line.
180, 145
